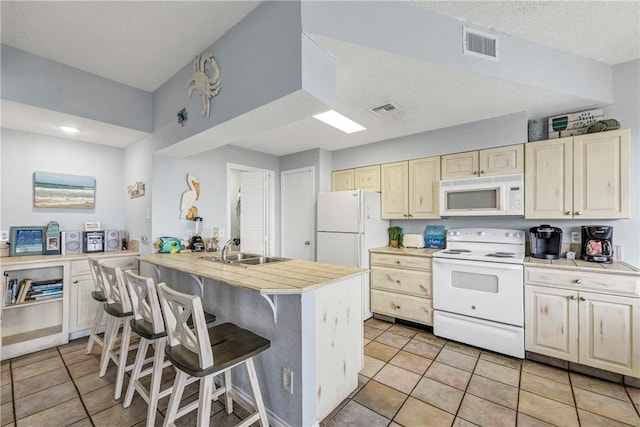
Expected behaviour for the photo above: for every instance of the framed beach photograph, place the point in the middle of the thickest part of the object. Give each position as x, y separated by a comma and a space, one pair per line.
59, 190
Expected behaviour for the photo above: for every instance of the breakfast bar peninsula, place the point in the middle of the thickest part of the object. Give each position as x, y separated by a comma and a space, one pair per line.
311, 313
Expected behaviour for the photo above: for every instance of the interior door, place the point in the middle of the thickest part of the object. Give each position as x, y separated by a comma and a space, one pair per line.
253, 216
298, 214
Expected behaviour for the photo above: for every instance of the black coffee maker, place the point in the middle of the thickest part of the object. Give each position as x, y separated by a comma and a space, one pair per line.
545, 241
597, 243
196, 243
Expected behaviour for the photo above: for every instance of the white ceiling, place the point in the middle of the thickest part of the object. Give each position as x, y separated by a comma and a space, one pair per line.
142, 44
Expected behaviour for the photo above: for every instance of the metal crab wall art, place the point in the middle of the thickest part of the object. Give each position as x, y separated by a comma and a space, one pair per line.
200, 81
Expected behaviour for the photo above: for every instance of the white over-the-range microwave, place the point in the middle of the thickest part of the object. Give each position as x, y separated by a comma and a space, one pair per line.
491, 195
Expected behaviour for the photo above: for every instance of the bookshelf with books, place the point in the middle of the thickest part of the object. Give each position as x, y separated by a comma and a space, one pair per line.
35, 303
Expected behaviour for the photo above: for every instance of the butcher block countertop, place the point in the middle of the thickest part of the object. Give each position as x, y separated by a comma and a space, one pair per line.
582, 265
405, 251
286, 277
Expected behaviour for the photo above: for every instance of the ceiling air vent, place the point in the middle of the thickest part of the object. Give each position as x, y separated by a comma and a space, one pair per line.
385, 109
479, 44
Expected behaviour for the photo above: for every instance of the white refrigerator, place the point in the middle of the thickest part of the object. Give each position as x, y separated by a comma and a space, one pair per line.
349, 224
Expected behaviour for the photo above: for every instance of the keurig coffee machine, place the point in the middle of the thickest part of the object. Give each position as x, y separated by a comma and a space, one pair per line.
545, 241
597, 243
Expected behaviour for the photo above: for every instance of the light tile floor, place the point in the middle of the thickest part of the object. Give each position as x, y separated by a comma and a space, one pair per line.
410, 378
413, 378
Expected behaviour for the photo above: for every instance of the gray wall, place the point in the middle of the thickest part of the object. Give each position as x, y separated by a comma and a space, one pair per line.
23, 153
169, 180
506, 130
137, 167
37, 81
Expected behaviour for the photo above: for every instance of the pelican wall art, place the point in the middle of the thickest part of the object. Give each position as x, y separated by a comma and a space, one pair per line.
189, 197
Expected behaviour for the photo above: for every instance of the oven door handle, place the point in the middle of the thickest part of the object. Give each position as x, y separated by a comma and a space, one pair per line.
470, 263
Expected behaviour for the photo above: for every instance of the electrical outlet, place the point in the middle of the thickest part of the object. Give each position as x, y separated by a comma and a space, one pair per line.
223, 233
287, 380
575, 237
4, 236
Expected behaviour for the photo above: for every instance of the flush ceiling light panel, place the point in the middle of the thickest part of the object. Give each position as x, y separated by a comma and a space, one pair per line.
69, 129
338, 121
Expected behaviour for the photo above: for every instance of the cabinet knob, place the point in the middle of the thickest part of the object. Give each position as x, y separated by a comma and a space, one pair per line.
395, 307
578, 213
307, 242
568, 212
75, 281
481, 172
410, 215
405, 215
475, 172
572, 297
577, 281
583, 299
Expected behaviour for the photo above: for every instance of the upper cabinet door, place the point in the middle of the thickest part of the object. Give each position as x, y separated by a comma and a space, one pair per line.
601, 175
424, 187
367, 178
502, 160
395, 191
548, 179
460, 165
342, 180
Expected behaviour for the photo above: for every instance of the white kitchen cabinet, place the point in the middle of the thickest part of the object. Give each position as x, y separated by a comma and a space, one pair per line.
492, 161
584, 176
410, 190
342, 180
401, 285
568, 320
83, 307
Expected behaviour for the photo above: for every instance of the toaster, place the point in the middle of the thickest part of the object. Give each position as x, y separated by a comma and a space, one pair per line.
413, 241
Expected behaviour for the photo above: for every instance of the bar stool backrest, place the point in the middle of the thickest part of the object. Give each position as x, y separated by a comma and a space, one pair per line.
177, 308
117, 293
144, 300
98, 279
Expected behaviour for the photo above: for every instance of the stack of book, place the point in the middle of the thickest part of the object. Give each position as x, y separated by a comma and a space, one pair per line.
20, 291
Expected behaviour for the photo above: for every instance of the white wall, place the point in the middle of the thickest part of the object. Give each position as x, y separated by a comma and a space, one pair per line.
23, 153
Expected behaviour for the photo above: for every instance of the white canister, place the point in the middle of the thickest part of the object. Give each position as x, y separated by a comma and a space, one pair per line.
4, 249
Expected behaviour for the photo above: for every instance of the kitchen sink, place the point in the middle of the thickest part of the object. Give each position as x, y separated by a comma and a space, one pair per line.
244, 259
260, 260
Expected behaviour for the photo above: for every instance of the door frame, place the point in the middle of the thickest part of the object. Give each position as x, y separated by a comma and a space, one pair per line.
314, 192
270, 227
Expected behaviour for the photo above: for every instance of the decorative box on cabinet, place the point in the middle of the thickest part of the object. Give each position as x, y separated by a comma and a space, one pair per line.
410, 190
568, 315
35, 325
492, 161
83, 306
585, 176
401, 286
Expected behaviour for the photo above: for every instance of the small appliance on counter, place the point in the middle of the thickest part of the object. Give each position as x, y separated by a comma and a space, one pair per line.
597, 243
112, 240
413, 241
71, 242
545, 241
92, 241
196, 243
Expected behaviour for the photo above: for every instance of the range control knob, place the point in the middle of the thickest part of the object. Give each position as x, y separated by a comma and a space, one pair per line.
518, 235
482, 233
456, 233
509, 234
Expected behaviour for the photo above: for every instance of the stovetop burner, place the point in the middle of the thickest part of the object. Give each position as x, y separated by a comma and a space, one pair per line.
502, 254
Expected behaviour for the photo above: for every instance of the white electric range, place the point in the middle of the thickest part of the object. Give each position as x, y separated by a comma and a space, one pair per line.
478, 289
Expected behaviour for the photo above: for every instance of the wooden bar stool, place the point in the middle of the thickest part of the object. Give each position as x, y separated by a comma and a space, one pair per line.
205, 353
99, 295
148, 323
119, 314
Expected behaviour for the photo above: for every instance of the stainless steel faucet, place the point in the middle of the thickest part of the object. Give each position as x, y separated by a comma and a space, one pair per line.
225, 249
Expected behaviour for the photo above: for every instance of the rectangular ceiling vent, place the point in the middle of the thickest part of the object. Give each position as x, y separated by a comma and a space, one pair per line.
385, 109
480, 44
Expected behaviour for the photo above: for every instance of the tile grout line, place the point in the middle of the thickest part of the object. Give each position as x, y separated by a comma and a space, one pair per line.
64, 362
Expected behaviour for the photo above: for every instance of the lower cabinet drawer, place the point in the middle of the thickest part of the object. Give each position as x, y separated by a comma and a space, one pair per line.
406, 307
405, 281
584, 281
404, 261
